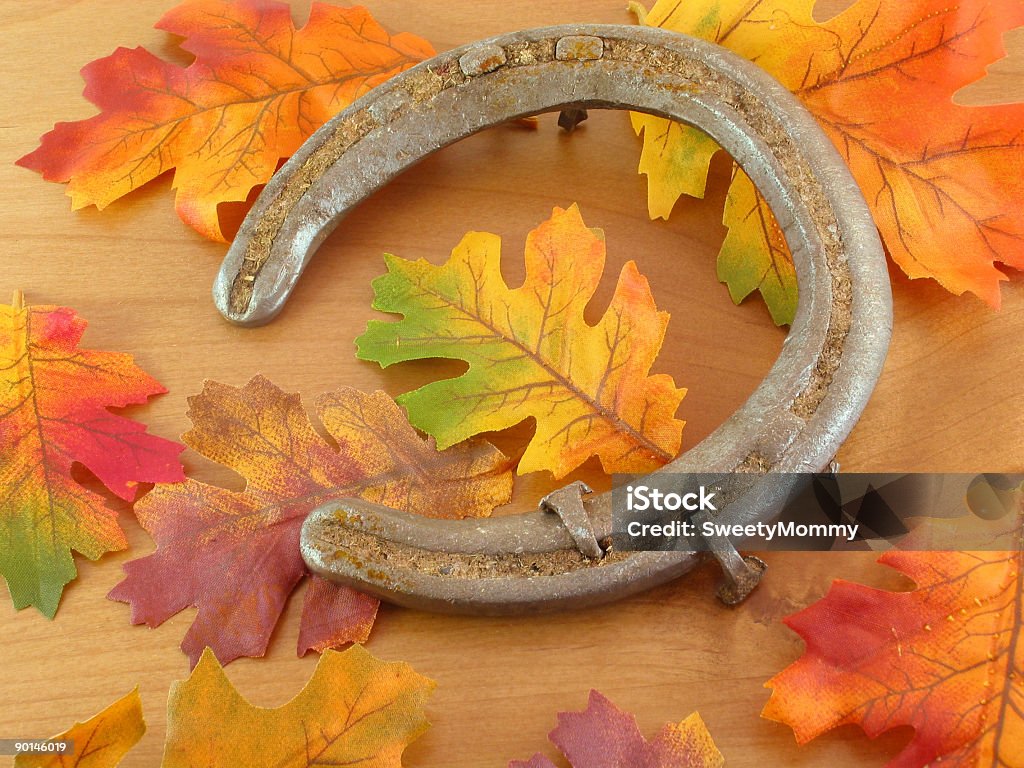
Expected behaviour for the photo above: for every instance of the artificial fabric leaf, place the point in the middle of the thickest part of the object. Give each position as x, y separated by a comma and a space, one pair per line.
754, 255
257, 89
99, 742
54, 401
531, 353
333, 615
235, 554
880, 77
946, 658
603, 736
355, 710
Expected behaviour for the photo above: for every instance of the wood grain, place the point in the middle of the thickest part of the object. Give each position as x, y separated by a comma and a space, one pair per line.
949, 399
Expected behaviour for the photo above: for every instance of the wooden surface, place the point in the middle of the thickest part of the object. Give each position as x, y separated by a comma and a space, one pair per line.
949, 399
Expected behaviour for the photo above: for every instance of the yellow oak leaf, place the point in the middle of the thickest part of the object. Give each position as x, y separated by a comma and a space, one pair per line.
531, 354
355, 710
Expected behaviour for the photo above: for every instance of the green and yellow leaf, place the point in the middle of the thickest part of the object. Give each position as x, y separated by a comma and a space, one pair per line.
530, 352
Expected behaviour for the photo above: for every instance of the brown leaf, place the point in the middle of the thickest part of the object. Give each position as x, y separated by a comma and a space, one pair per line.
235, 555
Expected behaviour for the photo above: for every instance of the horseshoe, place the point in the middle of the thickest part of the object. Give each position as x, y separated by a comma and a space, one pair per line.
794, 421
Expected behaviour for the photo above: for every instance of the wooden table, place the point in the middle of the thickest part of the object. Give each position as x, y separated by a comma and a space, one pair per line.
949, 399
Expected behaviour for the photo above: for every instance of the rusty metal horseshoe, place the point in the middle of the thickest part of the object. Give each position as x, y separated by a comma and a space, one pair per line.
794, 421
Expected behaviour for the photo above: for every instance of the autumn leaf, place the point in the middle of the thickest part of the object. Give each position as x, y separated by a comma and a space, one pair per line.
355, 710
531, 353
257, 89
946, 658
99, 742
754, 255
880, 78
603, 736
235, 554
54, 401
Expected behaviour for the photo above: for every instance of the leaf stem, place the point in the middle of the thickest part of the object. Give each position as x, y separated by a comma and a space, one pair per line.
638, 10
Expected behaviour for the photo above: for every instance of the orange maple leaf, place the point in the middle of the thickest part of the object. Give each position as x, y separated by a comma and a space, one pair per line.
235, 554
941, 179
54, 401
946, 658
257, 89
